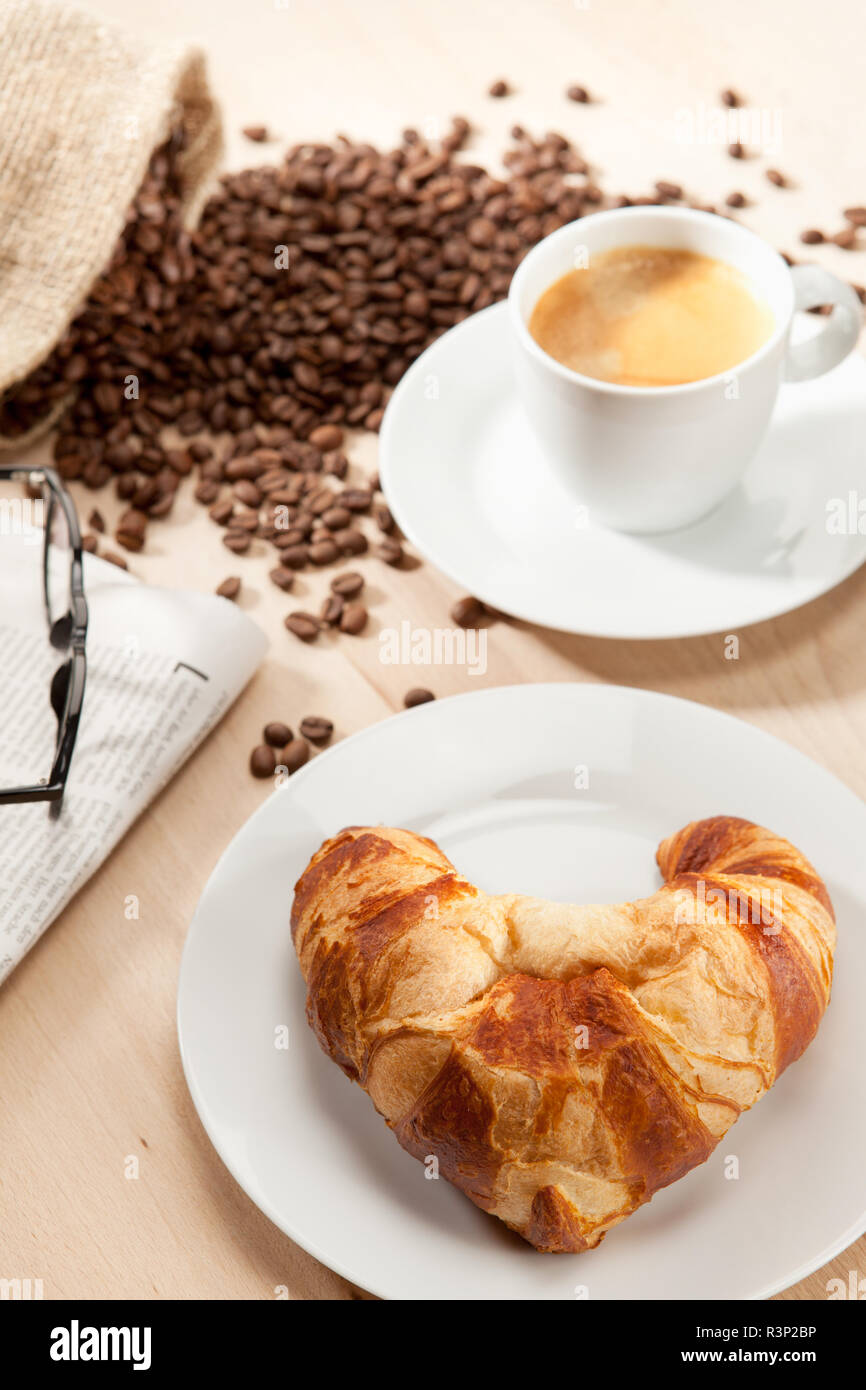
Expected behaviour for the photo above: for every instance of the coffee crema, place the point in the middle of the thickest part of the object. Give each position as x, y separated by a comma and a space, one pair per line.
651, 316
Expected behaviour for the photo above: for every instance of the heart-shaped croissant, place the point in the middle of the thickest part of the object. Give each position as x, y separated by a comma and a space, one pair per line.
563, 1063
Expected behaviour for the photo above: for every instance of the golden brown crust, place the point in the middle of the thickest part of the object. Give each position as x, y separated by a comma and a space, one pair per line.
563, 1063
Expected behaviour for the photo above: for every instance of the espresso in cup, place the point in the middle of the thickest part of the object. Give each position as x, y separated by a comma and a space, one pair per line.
651, 316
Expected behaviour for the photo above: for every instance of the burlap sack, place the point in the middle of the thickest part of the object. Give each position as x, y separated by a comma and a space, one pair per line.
82, 107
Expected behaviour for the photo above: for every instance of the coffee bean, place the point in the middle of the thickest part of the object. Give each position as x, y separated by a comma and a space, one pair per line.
283, 578
316, 729
576, 93
351, 541
207, 492
327, 437
238, 542
90, 543
295, 754
337, 518
777, 178
736, 150
263, 761
390, 551
348, 584
114, 559
856, 216
811, 237
383, 518
221, 512
730, 98
499, 88
357, 499
293, 556
467, 612
303, 625
258, 133
96, 521
130, 530
353, 618
230, 588
668, 190
847, 239
277, 734
736, 200
324, 552
331, 610
246, 491
417, 696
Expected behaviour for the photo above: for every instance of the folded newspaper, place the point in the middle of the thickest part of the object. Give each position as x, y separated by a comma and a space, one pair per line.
163, 666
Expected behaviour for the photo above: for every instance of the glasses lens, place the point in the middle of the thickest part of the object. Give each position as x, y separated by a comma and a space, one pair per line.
58, 574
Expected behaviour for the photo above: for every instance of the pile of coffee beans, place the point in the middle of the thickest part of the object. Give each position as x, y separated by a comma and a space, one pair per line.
241, 352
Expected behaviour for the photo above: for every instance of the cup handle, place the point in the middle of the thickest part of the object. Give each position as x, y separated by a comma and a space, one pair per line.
813, 286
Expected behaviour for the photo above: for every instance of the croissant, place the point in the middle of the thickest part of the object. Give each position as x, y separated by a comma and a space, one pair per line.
562, 1063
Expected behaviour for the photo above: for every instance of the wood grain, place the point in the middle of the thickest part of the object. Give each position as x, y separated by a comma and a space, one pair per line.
89, 1069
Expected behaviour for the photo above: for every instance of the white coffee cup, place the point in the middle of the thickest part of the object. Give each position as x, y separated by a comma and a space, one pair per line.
649, 459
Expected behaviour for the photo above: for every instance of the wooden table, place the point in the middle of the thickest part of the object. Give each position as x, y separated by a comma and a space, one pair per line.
89, 1065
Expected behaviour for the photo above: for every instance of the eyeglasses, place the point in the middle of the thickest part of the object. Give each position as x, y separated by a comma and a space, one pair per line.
66, 611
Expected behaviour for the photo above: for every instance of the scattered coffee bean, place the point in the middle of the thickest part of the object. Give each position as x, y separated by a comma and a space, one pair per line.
736, 200
736, 150
257, 133
238, 542
277, 734
576, 93
777, 178
811, 237
353, 618
283, 578
417, 696
382, 517
673, 191
230, 588
856, 216
295, 754
316, 729
348, 584
730, 98
263, 761
114, 559
331, 610
131, 529
89, 543
221, 512
303, 625
847, 239
467, 612
96, 521
499, 88
390, 551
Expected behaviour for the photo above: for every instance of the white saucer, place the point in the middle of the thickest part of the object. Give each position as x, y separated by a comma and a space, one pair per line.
307, 1145
471, 489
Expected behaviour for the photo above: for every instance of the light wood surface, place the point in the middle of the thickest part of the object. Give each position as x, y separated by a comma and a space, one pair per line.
89, 1066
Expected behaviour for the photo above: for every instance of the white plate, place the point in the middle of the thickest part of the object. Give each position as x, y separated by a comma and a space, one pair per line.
471, 489
491, 777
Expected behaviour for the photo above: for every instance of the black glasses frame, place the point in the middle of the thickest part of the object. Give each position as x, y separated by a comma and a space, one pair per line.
67, 634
